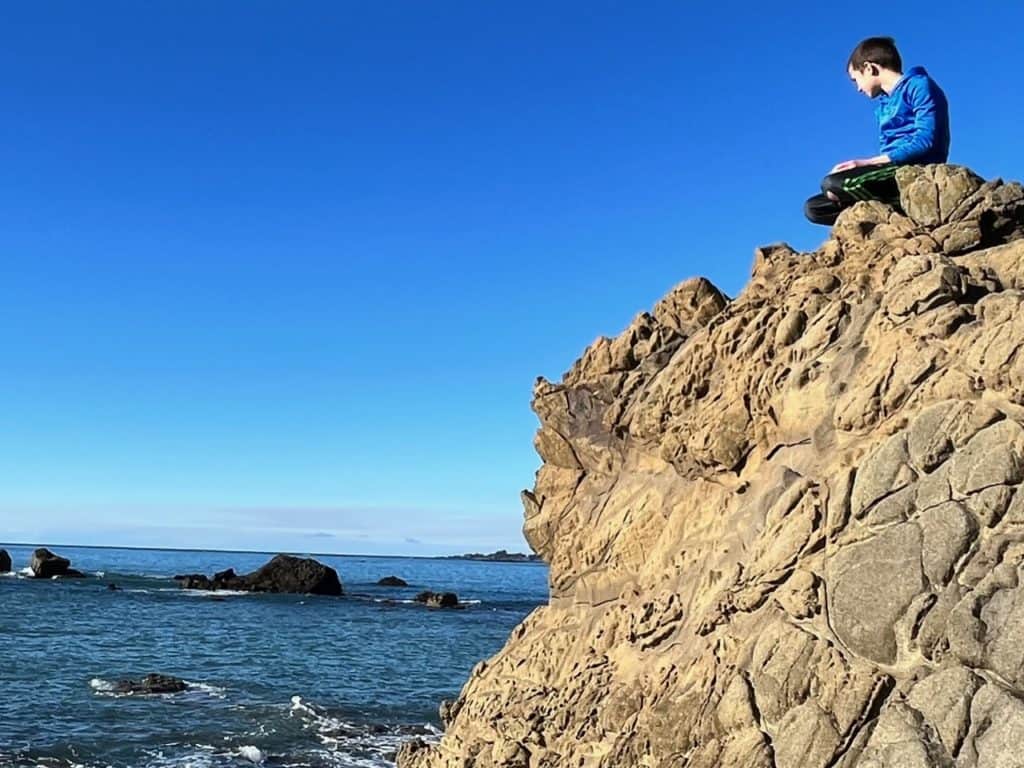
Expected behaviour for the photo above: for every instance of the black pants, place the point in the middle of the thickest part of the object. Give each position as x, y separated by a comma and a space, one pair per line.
869, 182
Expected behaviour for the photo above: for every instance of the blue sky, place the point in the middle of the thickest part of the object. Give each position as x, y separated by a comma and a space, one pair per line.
281, 275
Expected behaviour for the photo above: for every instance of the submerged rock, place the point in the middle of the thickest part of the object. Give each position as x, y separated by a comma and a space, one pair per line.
45, 565
438, 599
284, 573
5, 561
785, 529
392, 581
151, 684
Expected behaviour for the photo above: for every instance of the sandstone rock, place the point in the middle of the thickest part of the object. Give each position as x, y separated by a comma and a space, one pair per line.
785, 529
944, 699
931, 198
871, 585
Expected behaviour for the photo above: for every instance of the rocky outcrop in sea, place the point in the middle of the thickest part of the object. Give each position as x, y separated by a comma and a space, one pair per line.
5, 561
785, 530
45, 565
438, 599
284, 573
150, 685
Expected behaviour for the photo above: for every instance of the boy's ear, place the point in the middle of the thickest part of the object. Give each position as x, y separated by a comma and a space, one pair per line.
874, 70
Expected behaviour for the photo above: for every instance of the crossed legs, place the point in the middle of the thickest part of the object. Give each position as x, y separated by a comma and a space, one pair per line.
843, 189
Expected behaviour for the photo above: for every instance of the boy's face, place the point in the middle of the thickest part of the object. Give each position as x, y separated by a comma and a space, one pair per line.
866, 80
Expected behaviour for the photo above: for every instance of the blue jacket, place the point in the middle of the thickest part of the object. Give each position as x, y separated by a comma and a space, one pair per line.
913, 121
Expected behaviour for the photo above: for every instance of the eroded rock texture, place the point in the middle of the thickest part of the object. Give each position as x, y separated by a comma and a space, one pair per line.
788, 529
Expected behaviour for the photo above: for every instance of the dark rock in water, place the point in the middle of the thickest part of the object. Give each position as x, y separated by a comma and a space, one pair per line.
112, 587
283, 573
438, 599
46, 565
5, 561
71, 573
392, 581
151, 684
194, 581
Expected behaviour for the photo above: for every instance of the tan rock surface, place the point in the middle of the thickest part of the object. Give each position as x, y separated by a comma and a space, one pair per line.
787, 529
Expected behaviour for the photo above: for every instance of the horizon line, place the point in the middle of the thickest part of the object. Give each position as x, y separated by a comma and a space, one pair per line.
272, 552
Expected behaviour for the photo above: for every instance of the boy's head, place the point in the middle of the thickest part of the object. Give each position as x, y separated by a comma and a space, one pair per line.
871, 62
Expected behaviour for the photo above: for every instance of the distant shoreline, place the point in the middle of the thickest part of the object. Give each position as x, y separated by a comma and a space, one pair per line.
501, 556
474, 556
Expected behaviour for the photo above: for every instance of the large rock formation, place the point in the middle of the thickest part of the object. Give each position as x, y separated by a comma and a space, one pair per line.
5, 561
785, 530
283, 573
46, 565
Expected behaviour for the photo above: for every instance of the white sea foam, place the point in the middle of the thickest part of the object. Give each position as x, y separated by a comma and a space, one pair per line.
213, 690
100, 685
99, 574
350, 746
27, 572
252, 754
213, 592
417, 602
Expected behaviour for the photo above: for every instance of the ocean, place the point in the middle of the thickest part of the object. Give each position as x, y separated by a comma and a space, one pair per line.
274, 680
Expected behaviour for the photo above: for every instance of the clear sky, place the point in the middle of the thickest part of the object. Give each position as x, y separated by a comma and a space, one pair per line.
281, 275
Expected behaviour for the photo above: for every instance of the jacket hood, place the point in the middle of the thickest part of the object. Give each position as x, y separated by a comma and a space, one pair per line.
910, 74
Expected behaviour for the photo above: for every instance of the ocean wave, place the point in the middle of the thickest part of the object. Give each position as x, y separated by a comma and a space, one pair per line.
407, 601
211, 592
251, 753
102, 686
356, 745
213, 690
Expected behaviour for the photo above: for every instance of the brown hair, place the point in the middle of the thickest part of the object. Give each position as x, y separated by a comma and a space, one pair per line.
876, 50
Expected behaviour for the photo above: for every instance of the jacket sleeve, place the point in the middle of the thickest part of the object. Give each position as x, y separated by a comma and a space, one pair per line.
918, 143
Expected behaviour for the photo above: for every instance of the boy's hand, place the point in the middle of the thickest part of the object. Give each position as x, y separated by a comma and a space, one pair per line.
860, 163
844, 166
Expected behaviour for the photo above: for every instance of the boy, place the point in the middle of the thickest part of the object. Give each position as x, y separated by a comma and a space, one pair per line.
913, 126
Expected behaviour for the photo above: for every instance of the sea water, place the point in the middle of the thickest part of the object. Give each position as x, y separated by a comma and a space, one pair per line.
274, 680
